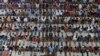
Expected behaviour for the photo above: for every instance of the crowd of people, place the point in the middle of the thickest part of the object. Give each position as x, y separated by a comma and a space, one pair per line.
50, 27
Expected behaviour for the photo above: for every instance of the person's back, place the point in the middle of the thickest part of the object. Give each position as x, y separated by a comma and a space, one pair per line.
5, 53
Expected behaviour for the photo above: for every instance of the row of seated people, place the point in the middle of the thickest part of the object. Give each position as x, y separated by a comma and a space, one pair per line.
92, 9
31, 27
69, 1
15, 1
50, 36
15, 5
54, 5
22, 53
54, 13
51, 46
50, 20
72, 13
65, 6
50, 1
18, 12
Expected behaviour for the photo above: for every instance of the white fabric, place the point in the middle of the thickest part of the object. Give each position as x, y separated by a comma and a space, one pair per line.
25, 19
43, 18
2, 12
60, 54
5, 47
5, 1
37, 5
91, 0
3, 33
98, 6
18, 19
80, 6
